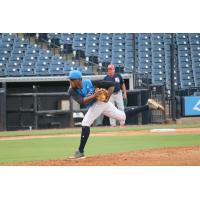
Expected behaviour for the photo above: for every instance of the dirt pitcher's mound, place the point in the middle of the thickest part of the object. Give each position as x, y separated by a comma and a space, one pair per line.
176, 156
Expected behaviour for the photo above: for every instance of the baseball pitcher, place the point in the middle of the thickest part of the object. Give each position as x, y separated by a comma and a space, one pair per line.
95, 95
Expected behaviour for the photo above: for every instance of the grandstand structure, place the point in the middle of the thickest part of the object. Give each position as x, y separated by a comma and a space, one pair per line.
143, 59
143, 53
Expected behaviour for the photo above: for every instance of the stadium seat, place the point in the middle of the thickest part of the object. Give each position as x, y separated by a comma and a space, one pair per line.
4, 58
56, 70
9, 35
18, 52
87, 70
2, 71
29, 63
44, 57
18, 59
13, 71
66, 38
28, 70
42, 70
30, 57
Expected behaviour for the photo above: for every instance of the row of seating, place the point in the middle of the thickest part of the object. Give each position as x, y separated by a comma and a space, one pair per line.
152, 55
19, 58
116, 48
154, 58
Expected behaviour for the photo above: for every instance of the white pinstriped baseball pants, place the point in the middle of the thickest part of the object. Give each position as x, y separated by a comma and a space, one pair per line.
118, 100
99, 108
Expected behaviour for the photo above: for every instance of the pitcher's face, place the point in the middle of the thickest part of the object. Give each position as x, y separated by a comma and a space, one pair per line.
76, 83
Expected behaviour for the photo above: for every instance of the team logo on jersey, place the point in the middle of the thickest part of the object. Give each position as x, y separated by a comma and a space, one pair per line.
116, 79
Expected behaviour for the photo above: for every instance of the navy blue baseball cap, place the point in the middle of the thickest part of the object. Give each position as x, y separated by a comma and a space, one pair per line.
75, 74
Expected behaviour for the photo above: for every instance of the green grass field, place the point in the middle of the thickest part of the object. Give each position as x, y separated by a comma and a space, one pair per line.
58, 148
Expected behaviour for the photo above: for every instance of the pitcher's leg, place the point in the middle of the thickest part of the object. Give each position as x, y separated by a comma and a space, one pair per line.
84, 137
151, 104
113, 112
135, 110
93, 112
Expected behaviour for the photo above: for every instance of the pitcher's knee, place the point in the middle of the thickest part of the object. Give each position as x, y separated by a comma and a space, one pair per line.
122, 117
86, 123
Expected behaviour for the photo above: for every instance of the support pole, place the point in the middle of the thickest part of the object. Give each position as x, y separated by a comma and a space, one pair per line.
173, 100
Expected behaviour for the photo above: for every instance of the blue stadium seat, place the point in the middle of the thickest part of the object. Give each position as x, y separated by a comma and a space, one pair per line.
118, 36
91, 51
4, 58
44, 57
7, 40
105, 42
79, 45
129, 36
158, 60
144, 36
27, 70
129, 49
157, 36
30, 57
6, 46
18, 52
9, 35
117, 60
42, 70
4, 52
182, 35
167, 38
29, 63
18, 59
68, 68
128, 54
45, 52
56, 70
14, 64
3, 71
118, 53
13, 71
66, 38
3, 64
57, 62
105, 57
32, 51
79, 41
43, 63
128, 60
158, 48
129, 45
92, 44
92, 36
87, 70
105, 36
144, 54
53, 35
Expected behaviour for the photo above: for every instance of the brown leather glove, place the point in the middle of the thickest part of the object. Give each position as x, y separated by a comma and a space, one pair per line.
101, 94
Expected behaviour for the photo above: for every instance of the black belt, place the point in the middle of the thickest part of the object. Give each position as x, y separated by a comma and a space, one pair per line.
116, 92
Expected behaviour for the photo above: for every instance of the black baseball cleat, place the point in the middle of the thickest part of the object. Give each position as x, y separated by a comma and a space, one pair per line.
154, 105
77, 155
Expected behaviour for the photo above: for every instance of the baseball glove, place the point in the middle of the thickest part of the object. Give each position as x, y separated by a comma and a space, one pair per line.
102, 94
